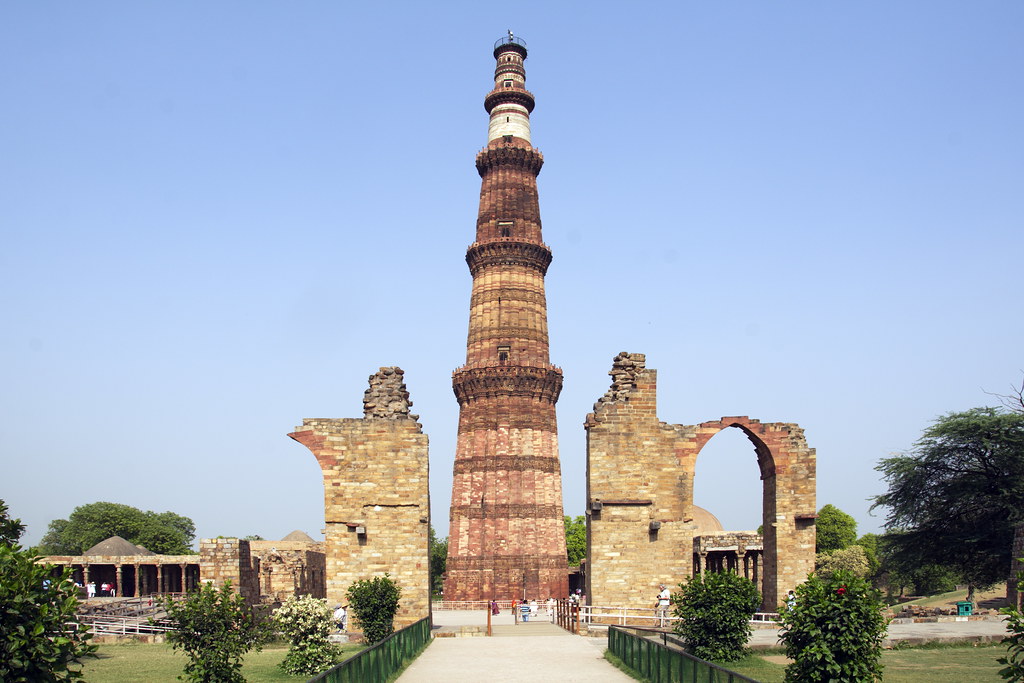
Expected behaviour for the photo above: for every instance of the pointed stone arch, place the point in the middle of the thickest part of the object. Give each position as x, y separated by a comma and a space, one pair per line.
640, 493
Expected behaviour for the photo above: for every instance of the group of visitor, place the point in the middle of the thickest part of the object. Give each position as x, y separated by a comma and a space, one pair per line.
529, 609
107, 590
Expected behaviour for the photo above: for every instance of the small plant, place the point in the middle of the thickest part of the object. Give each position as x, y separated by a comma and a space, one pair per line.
307, 622
215, 629
714, 611
1014, 659
375, 602
834, 630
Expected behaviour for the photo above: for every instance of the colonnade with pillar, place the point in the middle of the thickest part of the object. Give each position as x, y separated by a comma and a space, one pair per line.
133, 576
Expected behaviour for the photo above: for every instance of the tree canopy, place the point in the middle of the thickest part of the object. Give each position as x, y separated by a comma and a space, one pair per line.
165, 533
438, 561
836, 530
953, 500
10, 529
575, 539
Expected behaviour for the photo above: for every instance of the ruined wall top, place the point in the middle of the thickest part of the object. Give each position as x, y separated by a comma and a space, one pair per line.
625, 368
387, 397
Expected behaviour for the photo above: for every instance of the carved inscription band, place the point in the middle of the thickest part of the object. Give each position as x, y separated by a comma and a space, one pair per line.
507, 511
511, 463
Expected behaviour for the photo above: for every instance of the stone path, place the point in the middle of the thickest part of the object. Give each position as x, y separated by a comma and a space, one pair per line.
517, 652
524, 652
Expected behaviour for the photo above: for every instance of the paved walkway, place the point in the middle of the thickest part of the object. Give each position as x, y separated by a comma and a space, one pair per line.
548, 653
554, 654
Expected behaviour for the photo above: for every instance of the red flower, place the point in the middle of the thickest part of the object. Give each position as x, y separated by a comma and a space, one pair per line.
841, 590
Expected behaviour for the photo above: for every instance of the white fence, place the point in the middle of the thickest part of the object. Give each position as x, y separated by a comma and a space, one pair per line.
123, 626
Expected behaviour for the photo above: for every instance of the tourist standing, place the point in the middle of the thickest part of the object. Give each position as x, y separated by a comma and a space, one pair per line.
664, 598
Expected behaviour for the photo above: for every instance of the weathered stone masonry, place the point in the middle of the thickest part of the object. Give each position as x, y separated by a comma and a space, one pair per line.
640, 494
376, 497
506, 538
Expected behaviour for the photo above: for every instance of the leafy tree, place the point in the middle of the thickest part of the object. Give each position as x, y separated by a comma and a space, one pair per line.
10, 529
835, 529
307, 622
575, 538
853, 560
834, 630
215, 629
1014, 659
954, 499
869, 542
40, 637
165, 533
438, 562
714, 611
374, 602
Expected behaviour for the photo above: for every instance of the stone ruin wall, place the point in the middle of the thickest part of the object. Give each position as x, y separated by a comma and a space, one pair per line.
640, 491
290, 569
635, 481
230, 559
376, 497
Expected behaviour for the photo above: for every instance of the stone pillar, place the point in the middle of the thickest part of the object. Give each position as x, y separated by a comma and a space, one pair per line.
507, 534
376, 495
138, 584
118, 587
1013, 592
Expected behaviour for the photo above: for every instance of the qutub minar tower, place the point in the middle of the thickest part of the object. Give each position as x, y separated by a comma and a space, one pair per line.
506, 538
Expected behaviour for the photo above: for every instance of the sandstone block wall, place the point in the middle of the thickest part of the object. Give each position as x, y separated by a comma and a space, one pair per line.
640, 493
229, 559
290, 569
376, 497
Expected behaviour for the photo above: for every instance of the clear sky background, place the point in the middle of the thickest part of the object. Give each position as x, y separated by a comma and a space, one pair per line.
220, 218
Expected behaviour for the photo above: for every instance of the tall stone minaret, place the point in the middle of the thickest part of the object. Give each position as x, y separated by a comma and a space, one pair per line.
506, 538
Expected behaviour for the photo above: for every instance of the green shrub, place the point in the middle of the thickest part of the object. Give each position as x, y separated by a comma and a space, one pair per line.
853, 559
714, 611
40, 637
307, 622
215, 629
834, 630
374, 602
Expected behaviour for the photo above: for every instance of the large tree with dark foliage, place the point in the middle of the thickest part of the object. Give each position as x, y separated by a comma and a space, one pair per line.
165, 533
953, 499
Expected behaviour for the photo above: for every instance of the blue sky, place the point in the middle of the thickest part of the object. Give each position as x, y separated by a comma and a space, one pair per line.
220, 218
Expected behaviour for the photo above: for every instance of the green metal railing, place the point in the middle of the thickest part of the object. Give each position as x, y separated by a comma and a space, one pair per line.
375, 664
641, 651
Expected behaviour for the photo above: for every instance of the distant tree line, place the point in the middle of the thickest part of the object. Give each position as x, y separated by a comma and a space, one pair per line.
164, 533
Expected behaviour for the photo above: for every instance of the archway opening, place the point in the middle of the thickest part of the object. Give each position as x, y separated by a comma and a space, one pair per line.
727, 481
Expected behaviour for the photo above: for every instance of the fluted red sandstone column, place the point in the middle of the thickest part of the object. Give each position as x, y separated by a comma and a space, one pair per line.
506, 538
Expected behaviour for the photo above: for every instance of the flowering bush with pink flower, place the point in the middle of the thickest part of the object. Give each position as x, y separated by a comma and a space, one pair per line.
833, 631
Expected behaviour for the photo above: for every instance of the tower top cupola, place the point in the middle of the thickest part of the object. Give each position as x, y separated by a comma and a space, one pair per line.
509, 103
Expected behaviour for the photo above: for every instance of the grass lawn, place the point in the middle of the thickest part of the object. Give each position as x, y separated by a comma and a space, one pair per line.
158, 662
947, 664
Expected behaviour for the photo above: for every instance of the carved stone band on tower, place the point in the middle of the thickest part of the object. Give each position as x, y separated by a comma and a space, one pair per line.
507, 538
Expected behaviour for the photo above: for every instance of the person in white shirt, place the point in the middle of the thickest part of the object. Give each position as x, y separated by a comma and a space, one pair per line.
664, 598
